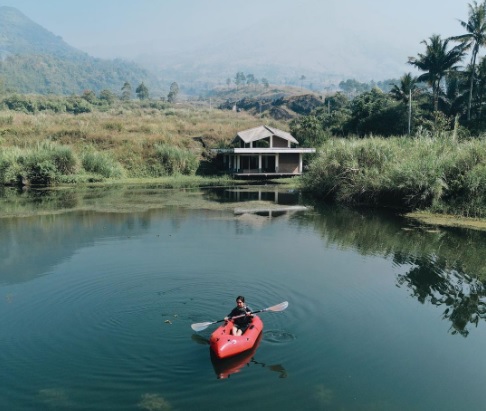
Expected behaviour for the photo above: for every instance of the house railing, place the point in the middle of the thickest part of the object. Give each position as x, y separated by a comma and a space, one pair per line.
277, 170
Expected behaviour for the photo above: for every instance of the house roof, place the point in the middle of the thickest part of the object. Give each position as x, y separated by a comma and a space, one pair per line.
261, 132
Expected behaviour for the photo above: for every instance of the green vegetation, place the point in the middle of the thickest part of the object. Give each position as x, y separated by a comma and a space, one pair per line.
43, 164
97, 135
449, 94
441, 163
44, 141
440, 174
35, 60
45, 74
173, 93
445, 267
142, 91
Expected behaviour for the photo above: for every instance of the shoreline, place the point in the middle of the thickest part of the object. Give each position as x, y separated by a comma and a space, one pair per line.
446, 220
187, 182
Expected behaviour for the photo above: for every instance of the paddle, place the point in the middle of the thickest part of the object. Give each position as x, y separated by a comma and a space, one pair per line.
275, 308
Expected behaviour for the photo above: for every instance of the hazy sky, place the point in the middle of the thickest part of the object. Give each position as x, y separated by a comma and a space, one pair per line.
363, 39
108, 28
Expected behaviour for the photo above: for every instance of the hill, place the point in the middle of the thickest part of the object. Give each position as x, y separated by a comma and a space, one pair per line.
280, 103
34, 60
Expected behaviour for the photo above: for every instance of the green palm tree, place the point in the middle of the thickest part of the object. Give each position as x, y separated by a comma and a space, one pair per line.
475, 38
481, 86
404, 93
407, 88
437, 62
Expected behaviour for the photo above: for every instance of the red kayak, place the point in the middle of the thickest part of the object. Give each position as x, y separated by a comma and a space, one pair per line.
224, 367
224, 344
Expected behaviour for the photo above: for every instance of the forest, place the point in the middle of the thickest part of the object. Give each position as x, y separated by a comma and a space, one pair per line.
449, 93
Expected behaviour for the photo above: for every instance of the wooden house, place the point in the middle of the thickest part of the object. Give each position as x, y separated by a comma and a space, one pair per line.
263, 152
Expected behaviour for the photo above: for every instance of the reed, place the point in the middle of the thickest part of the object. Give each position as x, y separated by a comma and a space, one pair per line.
412, 173
101, 163
175, 160
44, 163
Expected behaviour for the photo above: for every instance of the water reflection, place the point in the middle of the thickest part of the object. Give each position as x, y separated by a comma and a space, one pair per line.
278, 368
255, 193
225, 367
31, 246
463, 297
444, 267
14, 201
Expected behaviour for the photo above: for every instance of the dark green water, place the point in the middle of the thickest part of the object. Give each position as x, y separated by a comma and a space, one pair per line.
96, 306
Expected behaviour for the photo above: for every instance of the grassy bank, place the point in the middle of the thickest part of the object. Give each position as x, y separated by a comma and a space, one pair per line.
128, 141
441, 175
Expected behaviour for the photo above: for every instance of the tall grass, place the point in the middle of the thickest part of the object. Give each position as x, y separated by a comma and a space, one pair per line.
440, 174
134, 139
101, 163
176, 160
10, 169
44, 163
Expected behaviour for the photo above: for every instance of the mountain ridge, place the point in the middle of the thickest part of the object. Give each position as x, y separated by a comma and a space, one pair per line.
34, 60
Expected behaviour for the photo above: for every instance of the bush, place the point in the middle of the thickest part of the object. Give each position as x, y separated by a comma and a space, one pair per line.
10, 169
175, 160
78, 105
43, 164
101, 163
403, 172
20, 103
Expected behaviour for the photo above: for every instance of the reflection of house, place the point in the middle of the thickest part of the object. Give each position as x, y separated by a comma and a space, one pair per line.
270, 211
263, 151
261, 216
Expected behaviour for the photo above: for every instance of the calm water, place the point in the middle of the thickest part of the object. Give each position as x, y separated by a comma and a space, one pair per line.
96, 305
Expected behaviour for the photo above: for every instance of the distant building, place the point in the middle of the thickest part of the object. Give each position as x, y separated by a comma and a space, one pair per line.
263, 152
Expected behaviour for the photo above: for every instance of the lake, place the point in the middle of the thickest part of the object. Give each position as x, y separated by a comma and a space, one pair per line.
99, 288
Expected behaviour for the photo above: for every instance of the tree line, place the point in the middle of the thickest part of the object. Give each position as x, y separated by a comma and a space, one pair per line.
249, 79
86, 102
448, 94
142, 92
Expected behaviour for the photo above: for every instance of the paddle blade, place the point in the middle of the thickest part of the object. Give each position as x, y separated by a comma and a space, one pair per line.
200, 326
278, 307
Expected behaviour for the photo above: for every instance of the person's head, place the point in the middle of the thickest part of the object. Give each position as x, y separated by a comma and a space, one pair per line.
240, 301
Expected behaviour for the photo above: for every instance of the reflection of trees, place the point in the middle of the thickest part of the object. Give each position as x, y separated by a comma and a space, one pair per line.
447, 265
463, 296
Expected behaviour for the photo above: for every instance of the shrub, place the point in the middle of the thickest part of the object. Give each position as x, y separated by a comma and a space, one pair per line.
6, 120
20, 103
101, 163
43, 164
175, 160
410, 173
63, 158
47, 162
78, 105
10, 169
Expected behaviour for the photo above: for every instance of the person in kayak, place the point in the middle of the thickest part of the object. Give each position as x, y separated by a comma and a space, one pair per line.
240, 324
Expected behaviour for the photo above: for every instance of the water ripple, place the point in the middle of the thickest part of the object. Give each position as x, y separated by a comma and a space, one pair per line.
278, 336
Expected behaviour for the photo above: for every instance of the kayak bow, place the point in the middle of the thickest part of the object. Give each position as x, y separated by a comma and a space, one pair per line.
224, 344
